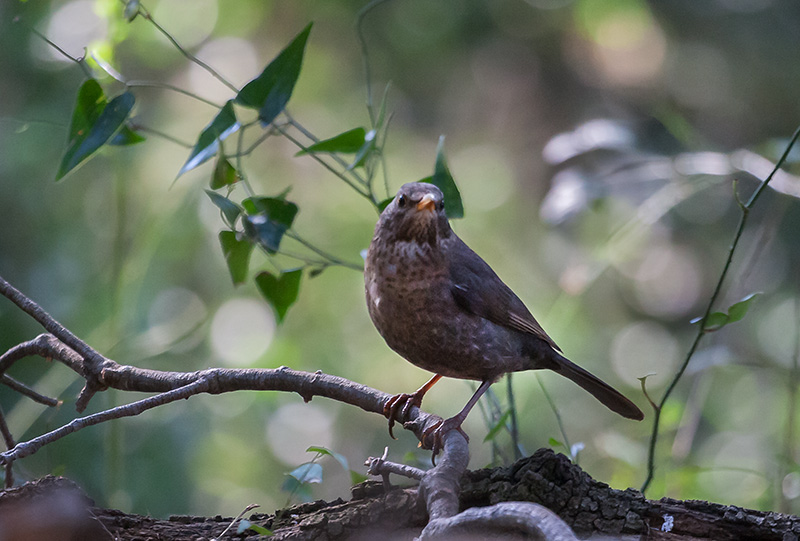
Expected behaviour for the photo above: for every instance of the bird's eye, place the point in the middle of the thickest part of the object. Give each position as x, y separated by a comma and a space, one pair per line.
401, 201
441, 205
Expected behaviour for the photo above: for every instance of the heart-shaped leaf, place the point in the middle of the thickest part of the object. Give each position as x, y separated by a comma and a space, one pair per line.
268, 220
223, 125
237, 255
270, 91
94, 123
340, 458
224, 174
280, 291
310, 472
230, 210
444, 181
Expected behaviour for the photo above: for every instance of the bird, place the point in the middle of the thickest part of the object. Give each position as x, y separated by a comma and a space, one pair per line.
440, 306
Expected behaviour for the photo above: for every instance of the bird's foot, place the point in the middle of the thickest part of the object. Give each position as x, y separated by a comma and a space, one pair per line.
401, 403
433, 435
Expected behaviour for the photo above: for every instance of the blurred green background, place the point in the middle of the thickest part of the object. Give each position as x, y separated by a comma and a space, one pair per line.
594, 143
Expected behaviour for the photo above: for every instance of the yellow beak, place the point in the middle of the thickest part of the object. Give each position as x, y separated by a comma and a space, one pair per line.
427, 203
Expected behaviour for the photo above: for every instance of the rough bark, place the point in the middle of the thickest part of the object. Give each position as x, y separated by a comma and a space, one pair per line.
54, 508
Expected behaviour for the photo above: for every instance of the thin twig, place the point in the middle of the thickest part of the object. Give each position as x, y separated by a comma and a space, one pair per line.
560, 423
80, 61
292, 122
365, 55
239, 165
172, 139
325, 164
8, 439
24, 390
192, 58
512, 406
701, 327
333, 259
29, 447
381, 466
167, 86
25, 304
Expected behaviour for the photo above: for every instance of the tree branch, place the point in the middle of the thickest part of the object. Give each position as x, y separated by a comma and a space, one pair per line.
439, 486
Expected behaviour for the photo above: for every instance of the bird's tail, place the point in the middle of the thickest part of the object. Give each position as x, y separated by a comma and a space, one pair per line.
610, 397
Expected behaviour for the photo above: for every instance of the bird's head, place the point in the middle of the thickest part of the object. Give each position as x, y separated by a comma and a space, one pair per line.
416, 213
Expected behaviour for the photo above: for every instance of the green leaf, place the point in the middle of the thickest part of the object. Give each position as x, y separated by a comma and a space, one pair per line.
382, 108
94, 123
261, 530
555, 443
498, 426
340, 458
131, 10
270, 91
348, 142
363, 152
245, 525
126, 136
281, 291
444, 181
269, 219
310, 472
224, 174
90, 103
223, 125
356, 477
736, 311
739, 309
230, 210
237, 255
715, 321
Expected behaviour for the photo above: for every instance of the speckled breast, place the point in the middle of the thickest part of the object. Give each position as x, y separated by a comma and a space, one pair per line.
410, 303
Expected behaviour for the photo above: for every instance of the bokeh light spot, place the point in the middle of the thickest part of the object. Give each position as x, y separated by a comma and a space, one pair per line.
668, 281
241, 331
238, 63
644, 348
295, 427
72, 27
486, 169
777, 331
173, 314
188, 21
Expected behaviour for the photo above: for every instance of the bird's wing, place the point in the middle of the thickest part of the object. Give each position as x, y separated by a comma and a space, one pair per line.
477, 289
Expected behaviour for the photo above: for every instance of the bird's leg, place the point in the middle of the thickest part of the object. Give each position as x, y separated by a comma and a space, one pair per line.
404, 402
438, 430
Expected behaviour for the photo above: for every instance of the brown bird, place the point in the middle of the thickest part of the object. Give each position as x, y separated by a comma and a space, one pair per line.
441, 307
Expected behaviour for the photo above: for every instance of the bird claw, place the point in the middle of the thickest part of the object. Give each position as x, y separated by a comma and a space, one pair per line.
437, 432
403, 403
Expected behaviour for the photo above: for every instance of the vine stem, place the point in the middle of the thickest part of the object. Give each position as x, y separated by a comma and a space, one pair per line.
167, 86
192, 58
365, 55
332, 259
701, 332
325, 164
315, 139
